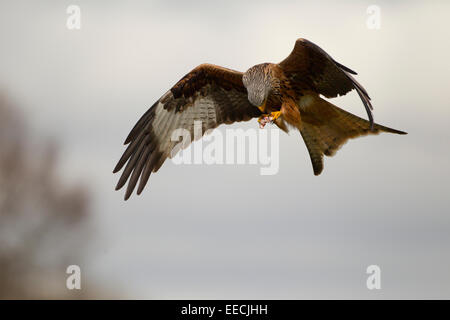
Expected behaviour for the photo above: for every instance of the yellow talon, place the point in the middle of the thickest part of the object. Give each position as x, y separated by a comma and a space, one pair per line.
268, 118
275, 115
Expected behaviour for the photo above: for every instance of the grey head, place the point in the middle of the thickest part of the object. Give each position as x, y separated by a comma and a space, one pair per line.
258, 84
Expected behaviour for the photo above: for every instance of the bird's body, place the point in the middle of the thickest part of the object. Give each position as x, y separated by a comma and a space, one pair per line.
287, 94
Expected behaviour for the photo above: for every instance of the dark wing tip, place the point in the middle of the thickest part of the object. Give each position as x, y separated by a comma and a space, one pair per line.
344, 67
139, 191
144, 178
324, 53
396, 131
117, 168
127, 194
121, 182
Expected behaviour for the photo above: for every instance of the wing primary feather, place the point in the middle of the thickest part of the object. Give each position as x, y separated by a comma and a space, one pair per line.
136, 172
357, 85
129, 168
368, 107
129, 151
344, 67
141, 123
365, 98
147, 167
144, 177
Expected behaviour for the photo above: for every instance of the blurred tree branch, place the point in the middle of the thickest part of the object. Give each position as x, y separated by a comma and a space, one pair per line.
43, 221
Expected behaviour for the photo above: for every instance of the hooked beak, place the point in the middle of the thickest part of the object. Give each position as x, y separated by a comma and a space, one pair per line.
262, 107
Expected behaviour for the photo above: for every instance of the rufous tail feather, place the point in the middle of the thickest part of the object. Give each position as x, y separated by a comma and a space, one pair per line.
325, 128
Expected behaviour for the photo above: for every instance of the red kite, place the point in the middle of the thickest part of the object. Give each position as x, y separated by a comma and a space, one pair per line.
287, 94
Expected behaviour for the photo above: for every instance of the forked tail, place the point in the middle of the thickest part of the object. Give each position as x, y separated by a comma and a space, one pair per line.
325, 128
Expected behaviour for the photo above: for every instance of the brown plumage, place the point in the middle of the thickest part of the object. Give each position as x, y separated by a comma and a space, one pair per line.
288, 93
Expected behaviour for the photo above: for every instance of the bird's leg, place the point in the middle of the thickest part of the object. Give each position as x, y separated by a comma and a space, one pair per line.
268, 118
274, 116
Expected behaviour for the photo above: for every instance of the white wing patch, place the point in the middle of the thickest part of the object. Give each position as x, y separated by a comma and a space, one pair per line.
166, 121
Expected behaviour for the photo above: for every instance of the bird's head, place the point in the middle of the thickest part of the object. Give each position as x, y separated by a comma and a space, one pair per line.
257, 80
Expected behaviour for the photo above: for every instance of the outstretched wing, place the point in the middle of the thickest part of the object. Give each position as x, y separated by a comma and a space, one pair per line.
311, 68
209, 93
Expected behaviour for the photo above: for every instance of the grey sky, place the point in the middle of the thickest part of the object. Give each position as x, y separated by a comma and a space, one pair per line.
226, 231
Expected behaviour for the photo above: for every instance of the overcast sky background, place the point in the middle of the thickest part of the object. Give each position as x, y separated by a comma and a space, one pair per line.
226, 231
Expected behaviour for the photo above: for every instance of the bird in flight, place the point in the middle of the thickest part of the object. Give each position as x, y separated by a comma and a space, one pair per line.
287, 94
